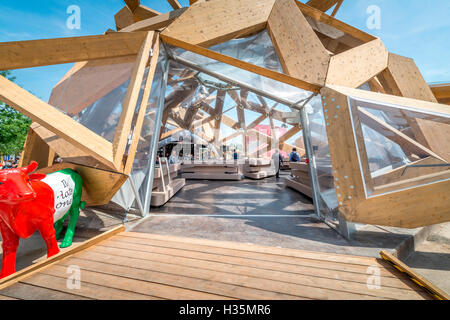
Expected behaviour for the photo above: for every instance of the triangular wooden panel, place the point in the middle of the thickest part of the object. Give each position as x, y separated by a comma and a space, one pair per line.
404, 78
300, 51
213, 22
356, 66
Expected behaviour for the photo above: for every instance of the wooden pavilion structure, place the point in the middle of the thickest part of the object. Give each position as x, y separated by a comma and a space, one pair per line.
367, 97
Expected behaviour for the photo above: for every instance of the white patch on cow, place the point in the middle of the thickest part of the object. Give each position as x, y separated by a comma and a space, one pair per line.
63, 187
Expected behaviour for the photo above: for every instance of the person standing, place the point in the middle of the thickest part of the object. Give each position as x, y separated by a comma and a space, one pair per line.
277, 161
294, 156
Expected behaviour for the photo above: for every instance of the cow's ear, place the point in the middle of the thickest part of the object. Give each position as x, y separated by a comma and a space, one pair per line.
37, 176
31, 167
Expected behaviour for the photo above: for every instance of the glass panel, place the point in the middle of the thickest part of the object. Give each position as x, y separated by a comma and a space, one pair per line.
92, 93
140, 171
322, 157
277, 89
257, 49
394, 152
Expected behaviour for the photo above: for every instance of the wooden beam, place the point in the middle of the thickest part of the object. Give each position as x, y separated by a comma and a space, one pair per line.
129, 103
170, 133
143, 107
56, 121
376, 86
320, 16
400, 173
322, 5
356, 66
175, 4
65, 150
289, 134
417, 278
157, 22
34, 53
336, 9
299, 50
242, 65
212, 22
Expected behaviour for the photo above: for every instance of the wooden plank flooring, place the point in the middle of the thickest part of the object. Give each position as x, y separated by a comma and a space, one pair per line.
134, 265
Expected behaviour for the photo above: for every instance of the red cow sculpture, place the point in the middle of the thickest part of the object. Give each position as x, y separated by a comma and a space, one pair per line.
26, 205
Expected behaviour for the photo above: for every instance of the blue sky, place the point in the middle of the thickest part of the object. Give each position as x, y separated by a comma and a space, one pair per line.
414, 28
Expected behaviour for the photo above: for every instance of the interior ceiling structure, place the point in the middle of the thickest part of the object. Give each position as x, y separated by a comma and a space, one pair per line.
383, 129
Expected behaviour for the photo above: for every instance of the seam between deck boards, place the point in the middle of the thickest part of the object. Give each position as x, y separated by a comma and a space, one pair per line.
402, 280
389, 269
374, 295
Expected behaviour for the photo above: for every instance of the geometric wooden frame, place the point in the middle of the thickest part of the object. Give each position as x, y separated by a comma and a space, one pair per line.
408, 208
109, 153
302, 35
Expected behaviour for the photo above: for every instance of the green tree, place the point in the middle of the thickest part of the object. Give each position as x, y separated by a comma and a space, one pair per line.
13, 126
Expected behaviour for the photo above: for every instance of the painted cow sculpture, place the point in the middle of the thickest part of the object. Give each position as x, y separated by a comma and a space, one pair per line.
30, 202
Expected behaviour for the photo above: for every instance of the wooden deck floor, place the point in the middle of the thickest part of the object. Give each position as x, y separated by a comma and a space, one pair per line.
133, 265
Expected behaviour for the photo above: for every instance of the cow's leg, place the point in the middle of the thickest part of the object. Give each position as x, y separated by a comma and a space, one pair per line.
9, 245
48, 234
74, 213
59, 227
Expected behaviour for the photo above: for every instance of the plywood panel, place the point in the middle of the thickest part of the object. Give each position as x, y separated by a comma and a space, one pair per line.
356, 66
300, 51
35, 149
408, 78
213, 22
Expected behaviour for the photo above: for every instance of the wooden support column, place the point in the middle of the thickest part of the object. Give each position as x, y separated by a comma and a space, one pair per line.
143, 107
129, 103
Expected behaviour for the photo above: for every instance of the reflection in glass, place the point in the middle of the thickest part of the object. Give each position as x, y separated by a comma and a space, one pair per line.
92, 93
